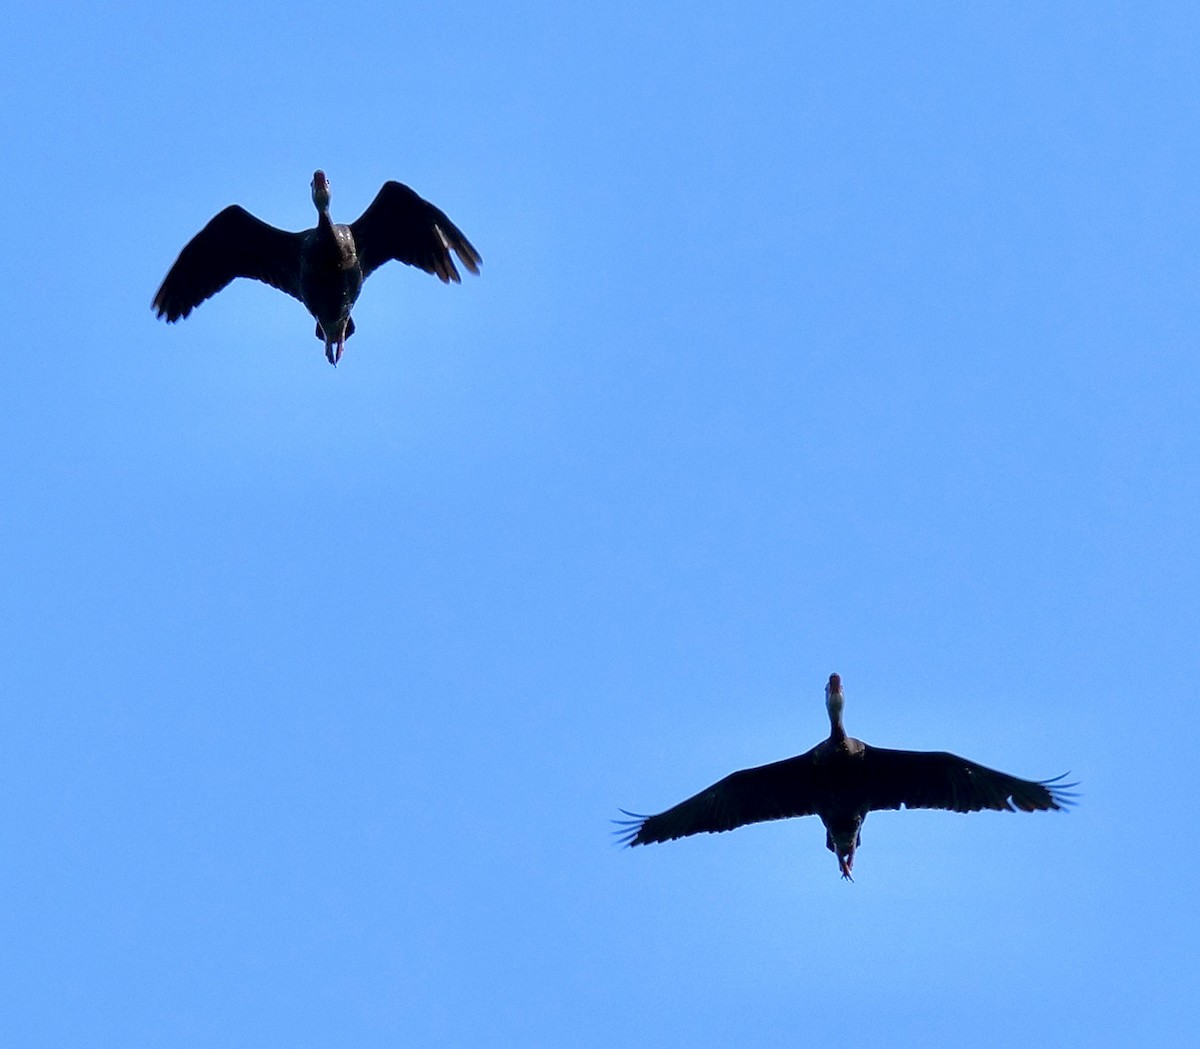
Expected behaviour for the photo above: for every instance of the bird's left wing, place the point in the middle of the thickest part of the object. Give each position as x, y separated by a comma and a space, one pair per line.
938, 780
770, 792
233, 244
401, 225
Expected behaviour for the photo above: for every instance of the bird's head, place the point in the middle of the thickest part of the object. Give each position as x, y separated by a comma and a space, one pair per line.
320, 190
834, 700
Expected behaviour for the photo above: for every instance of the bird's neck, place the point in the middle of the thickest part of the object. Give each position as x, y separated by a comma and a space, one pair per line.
837, 732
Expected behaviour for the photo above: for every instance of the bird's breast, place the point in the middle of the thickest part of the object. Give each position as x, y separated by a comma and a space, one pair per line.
837, 751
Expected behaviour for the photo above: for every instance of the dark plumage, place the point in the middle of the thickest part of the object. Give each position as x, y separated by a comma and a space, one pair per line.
840, 780
323, 267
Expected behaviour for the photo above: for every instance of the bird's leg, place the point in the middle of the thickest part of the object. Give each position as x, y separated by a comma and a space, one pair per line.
334, 346
846, 862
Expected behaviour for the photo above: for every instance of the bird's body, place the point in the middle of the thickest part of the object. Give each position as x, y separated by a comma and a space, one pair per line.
840, 780
323, 267
331, 278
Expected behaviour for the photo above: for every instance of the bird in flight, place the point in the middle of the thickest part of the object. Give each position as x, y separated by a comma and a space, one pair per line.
323, 267
840, 780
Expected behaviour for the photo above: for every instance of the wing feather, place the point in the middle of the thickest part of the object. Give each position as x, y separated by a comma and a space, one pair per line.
769, 792
404, 226
937, 780
233, 244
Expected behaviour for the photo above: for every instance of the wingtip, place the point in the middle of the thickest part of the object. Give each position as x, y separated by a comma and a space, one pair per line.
470, 258
165, 309
628, 830
463, 248
164, 312
1062, 795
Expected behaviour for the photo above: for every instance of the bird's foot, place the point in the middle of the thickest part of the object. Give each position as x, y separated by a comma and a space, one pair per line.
846, 864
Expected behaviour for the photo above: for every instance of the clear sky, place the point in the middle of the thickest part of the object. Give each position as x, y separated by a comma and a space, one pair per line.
808, 339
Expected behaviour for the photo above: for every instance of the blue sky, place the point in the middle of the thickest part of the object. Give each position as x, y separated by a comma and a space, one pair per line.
807, 339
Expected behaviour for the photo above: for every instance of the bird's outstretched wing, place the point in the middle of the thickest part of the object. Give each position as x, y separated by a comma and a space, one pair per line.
233, 244
770, 792
401, 225
937, 780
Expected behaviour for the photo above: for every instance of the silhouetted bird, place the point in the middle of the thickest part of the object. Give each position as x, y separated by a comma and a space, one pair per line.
323, 267
842, 779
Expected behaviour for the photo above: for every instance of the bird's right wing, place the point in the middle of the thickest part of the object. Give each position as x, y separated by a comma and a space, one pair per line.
400, 224
770, 792
918, 779
234, 244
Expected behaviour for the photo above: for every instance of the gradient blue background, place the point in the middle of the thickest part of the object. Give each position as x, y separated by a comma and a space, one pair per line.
808, 339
